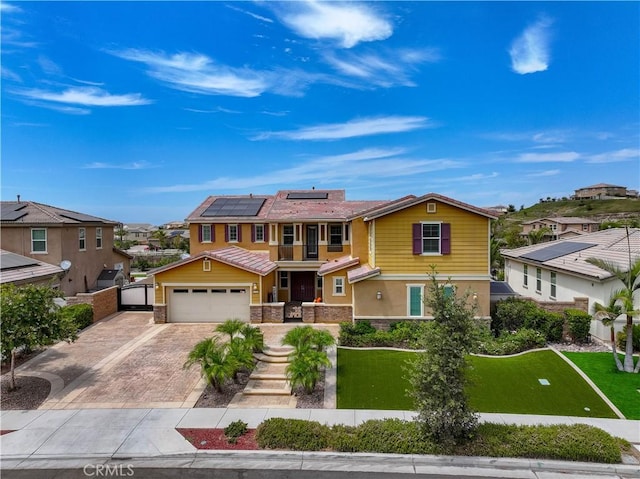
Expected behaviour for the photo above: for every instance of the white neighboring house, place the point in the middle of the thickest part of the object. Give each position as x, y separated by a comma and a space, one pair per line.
558, 271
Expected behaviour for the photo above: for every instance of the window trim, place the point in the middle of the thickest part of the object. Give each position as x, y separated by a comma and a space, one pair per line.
338, 283
283, 280
525, 277
259, 229
553, 284
203, 230
45, 251
286, 235
82, 239
233, 230
99, 237
411, 287
539, 280
340, 235
439, 237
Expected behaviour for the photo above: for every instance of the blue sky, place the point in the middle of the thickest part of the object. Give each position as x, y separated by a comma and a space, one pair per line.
137, 111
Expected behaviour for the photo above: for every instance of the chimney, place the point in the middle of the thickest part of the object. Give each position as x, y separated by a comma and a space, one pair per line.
18, 198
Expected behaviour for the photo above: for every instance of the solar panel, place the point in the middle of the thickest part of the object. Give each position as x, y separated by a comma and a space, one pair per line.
72, 215
308, 195
234, 207
12, 211
12, 261
556, 250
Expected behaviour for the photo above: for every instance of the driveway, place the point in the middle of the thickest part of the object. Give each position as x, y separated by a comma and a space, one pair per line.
127, 361
124, 361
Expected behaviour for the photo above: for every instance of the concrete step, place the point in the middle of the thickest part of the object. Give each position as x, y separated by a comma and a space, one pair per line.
277, 351
271, 359
267, 392
270, 368
267, 384
267, 376
272, 402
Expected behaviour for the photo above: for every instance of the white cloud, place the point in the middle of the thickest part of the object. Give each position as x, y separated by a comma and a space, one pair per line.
541, 174
9, 8
386, 69
556, 157
48, 66
85, 96
380, 162
624, 154
351, 129
251, 14
10, 75
530, 51
347, 24
136, 165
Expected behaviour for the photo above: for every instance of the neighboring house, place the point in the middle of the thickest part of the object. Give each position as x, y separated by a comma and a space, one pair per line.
559, 273
137, 232
315, 256
21, 270
560, 227
54, 235
601, 191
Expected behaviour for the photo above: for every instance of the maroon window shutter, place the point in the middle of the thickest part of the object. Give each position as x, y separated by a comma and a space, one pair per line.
445, 238
226, 233
200, 233
253, 233
417, 238
239, 233
213, 233
266, 232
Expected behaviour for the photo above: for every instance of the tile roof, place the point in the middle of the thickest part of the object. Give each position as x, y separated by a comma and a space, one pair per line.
15, 268
253, 261
363, 272
412, 200
563, 220
337, 264
609, 245
31, 212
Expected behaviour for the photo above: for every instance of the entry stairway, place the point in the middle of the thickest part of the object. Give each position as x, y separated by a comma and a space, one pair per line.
268, 386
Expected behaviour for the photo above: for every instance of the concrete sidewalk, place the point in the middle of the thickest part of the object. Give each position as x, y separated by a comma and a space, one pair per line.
45, 440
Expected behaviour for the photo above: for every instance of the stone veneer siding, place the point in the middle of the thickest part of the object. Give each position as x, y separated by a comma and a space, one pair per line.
311, 313
159, 313
104, 302
559, 306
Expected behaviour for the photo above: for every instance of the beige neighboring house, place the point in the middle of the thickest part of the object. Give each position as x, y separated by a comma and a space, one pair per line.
559, 273
81, 243
560, 227
601, 191
21, 270
138, 232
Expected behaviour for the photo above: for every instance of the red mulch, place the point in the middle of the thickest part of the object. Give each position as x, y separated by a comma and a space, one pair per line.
5, 431
215, 439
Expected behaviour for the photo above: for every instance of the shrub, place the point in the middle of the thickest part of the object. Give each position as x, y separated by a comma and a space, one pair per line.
513, 313
80, 314
401, 334
293, 434
579, 324
511, 343
554, 327
621, 338
392, 436
234, 430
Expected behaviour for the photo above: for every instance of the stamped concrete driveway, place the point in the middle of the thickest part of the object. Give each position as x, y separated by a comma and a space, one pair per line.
124, 361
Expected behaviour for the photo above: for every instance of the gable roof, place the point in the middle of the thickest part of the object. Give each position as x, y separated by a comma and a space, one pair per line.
409, 201
31, 213
609, 245
563, 220
337, 264
252, 261
15, 268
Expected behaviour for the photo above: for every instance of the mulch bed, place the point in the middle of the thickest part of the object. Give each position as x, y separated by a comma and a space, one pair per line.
31, 392
215, 439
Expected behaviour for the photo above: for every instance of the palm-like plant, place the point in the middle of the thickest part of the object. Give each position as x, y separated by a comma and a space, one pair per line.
216, 365
608, 314
624, 299
253, 337
241, 356
303, 337
231, 327
537, 236
304, 369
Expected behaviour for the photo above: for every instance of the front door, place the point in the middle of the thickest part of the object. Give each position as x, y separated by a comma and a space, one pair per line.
303, 286
312, 242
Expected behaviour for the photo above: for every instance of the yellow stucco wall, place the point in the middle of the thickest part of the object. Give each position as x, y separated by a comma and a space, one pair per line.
327, 289
469, 242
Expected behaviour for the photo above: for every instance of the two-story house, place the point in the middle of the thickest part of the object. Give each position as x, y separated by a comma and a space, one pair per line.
315, 256
560, 227
82, 244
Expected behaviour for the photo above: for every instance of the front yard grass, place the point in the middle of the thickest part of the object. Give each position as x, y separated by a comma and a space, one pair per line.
377, 379
622, 389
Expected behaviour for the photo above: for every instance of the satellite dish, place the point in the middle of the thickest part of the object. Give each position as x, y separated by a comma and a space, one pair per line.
185, 256
65, 264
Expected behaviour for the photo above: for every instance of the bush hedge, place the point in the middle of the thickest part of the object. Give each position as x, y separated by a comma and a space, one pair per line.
579, 324
80, 314
401, 334
621, 338
509, 343
576, 442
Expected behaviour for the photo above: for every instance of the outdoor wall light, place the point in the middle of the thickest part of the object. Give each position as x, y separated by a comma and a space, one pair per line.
255, 287
475, 296
157, 285
379, 295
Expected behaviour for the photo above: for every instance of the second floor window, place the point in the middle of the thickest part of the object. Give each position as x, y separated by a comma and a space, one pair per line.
431, 238
233, 233
98, 238
338, 286
538, 280
206, 233
335, 235
553, 284
82, 239
259, 233
287, 234
39, 240
525, 279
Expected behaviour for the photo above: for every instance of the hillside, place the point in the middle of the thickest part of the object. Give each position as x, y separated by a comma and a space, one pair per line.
597, 210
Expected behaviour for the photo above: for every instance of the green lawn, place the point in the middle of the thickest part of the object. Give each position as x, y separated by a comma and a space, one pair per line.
622, 389
376, 379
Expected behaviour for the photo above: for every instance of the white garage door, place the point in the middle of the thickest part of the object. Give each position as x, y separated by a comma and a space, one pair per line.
208, 305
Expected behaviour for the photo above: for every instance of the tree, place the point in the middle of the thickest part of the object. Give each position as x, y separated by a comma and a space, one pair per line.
216, 364
537, 236
31, 319
161, 236
308, 356
608, 314
624, 298
438, 374
231, 327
